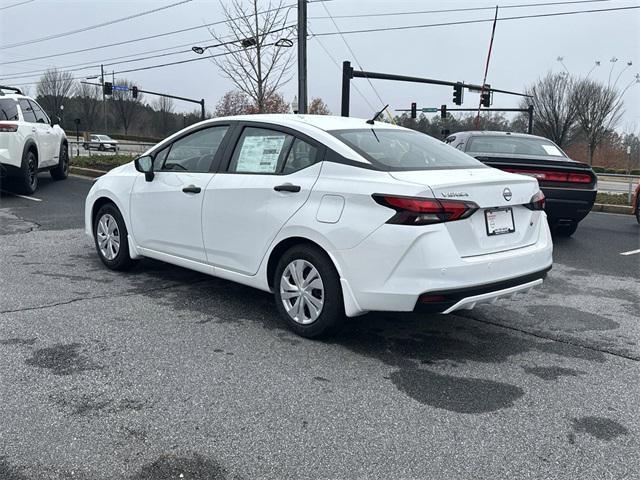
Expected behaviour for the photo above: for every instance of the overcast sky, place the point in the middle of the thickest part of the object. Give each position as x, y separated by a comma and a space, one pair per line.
523, 49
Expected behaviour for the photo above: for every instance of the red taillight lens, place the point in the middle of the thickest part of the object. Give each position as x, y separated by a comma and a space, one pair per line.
8, 127
536, 202
425, 211
550, 176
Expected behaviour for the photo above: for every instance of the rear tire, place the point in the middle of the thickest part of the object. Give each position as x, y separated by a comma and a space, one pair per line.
61, 172
638, 208
564, 229
111, 238
27, 181
308, 293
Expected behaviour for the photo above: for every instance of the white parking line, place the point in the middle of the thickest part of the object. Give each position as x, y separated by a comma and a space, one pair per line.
631, 252
22, 196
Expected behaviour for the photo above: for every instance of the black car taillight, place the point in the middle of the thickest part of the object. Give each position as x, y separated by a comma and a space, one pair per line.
550, 176
536, 202
425, 211
8, 127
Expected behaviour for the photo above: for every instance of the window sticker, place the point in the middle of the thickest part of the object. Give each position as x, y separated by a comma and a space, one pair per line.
552, 150
260, 154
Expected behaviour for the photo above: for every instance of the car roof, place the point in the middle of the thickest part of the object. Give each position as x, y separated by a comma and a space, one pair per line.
496, 133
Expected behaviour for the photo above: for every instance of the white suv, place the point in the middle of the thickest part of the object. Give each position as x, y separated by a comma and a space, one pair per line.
29, 142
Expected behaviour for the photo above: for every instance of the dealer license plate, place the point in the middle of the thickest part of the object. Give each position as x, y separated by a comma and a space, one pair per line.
499, 221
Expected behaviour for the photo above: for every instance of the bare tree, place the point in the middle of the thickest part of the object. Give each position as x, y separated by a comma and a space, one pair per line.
554, 109
255, 65
318, 107
53, 88
599, 108
125, 107
233, 102
274, 103
164, 116
88, 99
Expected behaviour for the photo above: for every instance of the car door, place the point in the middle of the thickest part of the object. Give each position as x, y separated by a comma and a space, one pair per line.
166, 211
36, 131
46, 137
269, 176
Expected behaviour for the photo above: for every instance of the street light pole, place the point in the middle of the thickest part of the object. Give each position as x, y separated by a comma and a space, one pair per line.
104, 100
302, 56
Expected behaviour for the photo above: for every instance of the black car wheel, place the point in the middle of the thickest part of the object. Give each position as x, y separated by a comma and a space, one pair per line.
61, 171
27, 182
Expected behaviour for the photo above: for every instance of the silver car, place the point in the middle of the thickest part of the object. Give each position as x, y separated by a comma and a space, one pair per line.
102, 143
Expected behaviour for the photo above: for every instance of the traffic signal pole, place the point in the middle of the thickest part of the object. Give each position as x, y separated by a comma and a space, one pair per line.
104, 99
302, 56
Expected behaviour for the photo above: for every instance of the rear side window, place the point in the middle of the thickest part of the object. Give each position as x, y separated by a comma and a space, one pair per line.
196, 151
27, 110
260, 150
300, 156
8, 109
392, 150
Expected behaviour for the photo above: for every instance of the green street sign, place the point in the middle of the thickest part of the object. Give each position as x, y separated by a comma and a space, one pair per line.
430, 110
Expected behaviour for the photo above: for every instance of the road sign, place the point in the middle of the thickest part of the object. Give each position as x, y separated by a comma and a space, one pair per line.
430, 110
120, 88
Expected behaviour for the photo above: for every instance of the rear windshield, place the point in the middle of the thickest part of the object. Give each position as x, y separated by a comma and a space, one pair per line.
514, 145
391, 149
8, 109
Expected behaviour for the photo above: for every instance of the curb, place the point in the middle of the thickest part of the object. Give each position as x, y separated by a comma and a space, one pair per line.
86, 172
605, 208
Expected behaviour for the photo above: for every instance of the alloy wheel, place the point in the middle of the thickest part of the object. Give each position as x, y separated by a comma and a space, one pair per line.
108, 235
302, 292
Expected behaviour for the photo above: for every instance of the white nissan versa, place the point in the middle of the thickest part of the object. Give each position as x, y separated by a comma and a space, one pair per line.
333, 215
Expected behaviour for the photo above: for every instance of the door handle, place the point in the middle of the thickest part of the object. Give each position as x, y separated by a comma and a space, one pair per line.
287, 187
191, 189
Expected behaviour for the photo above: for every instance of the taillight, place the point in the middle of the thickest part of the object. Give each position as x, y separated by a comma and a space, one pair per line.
425, 211
536, 202
550, 176
8, 127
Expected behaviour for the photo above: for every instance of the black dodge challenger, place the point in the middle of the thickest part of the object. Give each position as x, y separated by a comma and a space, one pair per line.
569, 186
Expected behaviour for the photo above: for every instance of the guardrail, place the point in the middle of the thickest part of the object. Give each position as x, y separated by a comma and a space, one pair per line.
626, 183
76, 149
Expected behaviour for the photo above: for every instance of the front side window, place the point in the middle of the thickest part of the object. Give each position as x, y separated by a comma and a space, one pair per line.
27, 111
506, 144
396, 149
260, 150
8, 109
41, 117
195, 152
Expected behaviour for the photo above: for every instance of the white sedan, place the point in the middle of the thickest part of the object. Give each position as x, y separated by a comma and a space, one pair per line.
335, 216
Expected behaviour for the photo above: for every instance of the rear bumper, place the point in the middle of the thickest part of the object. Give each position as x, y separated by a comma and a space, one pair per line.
568, 204
467, 298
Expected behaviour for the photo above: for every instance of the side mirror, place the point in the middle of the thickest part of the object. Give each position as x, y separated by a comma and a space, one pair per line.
55, 120
145, 165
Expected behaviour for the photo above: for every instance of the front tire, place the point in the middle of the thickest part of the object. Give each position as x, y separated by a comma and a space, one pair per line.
27, 181
307, 292
61, 172
111, 238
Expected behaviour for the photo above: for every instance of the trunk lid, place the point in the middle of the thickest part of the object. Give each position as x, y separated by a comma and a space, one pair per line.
489, 188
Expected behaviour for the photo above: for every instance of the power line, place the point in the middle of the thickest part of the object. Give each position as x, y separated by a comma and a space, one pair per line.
467, 22
16, 4
140, 39
451, 10
92, 27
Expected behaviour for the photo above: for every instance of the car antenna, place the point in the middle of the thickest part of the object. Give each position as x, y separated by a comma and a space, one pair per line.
375, 117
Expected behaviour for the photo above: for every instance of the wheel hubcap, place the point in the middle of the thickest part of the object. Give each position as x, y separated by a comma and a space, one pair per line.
302, 292
108, 235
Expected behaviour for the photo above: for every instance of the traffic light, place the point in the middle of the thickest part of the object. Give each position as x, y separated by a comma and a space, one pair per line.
107, 88
485, 99
134, 91
457, 93
443, 112
414, 110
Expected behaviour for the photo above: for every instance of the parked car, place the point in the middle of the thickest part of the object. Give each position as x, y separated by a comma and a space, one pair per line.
333, 215
570, 187
30, 142
635, 202
102, 143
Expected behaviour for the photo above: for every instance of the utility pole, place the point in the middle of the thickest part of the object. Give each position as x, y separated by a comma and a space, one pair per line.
302, 56
104, 100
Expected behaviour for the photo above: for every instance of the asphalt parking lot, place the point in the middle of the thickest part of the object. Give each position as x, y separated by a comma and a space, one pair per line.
162, 371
